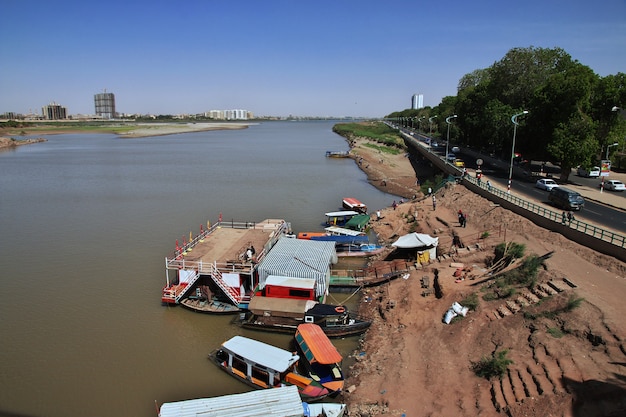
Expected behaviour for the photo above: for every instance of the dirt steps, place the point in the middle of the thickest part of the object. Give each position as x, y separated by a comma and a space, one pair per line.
528, 297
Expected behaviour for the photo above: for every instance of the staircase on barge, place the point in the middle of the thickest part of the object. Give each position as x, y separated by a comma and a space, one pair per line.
220, 252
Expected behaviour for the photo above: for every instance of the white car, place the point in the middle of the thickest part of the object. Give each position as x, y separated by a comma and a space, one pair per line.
614, 185
546, 184
588, 172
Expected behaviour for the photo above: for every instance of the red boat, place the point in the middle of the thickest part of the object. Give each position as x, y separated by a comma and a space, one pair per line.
351, 203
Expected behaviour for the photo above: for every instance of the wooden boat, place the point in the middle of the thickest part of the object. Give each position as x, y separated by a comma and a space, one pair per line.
214, 306
275, 402
337, 154
283, 315
342, 231
350, 203
320, 358
359, 250
370, 277
263, 366
338, 218
359, 223
309, 235
205, 297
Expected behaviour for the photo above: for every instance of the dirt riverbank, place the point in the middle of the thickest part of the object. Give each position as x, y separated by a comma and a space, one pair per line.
124, 130
410, 363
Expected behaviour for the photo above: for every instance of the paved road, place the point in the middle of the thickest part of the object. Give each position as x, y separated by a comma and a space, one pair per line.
605, 209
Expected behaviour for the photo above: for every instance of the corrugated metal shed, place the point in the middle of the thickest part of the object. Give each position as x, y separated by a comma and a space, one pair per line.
298, 258
261, 353
274, 402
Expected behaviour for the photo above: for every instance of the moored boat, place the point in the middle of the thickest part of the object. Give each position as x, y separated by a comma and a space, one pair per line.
320, 357
367, 249
338, 218
264, 366
283, 315
275, 402
337, 154
351, 203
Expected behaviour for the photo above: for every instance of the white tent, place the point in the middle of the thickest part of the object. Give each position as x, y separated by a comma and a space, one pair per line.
420, 242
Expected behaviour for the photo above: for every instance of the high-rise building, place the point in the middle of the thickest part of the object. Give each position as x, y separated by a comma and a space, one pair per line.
105, 105
54, 111
417, 101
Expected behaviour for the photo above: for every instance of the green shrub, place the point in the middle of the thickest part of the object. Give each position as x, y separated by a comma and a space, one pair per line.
490, 296
471, 301
555, 332
573, 303
494, 366
509, 252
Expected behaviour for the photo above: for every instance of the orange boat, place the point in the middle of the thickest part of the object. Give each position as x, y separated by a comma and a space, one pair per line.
320, 357
308, 235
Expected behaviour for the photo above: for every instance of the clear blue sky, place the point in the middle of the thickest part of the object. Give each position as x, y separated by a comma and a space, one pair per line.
305, 58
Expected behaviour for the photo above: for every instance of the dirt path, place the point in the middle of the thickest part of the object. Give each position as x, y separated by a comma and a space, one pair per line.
411, 363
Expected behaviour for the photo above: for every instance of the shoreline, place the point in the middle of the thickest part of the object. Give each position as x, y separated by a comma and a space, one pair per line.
128, 131
408, 340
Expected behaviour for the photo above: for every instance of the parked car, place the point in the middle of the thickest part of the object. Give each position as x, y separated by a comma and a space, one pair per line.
614, 185
451, 157
459, 163
588, 172
546, 184
566, 199
456, 149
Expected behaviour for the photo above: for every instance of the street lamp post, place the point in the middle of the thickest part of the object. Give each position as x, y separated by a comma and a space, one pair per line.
607, 149
448, 137
419, 123
514, 120
430, 126
606, 159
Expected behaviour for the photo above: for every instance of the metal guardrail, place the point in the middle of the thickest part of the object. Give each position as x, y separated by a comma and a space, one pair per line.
557, 217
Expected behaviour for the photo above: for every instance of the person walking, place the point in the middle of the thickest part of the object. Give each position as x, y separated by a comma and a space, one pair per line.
434, 203
563, 218
570, 217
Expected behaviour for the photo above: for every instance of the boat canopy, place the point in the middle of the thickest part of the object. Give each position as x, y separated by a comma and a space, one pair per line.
342, 231
343, 213
261, 353
321, 310
276, 402
281, 307
353, 203
358, 222
315, 345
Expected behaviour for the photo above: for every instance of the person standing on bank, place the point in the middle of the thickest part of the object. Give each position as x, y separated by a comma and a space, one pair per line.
434, 203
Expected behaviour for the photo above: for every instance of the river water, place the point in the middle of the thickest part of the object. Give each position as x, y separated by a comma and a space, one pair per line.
86, 221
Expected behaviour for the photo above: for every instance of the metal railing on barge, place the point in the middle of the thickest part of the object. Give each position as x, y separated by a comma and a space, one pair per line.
177, 260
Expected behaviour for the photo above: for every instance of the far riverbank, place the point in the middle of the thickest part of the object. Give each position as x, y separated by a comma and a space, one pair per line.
124, 130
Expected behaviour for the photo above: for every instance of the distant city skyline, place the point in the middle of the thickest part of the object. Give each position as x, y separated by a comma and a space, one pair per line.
278, 58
